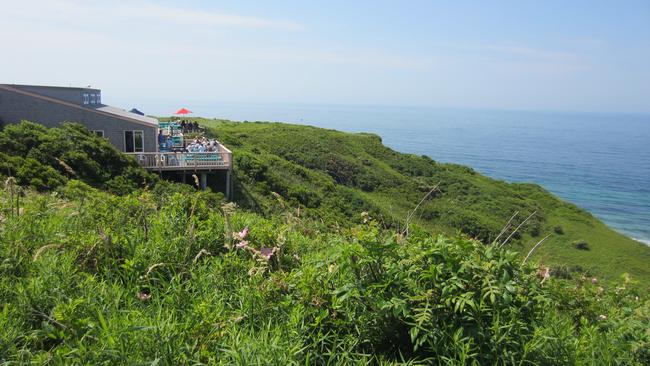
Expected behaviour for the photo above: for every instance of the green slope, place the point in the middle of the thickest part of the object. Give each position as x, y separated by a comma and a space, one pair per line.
334, 176
160, 273
91, 278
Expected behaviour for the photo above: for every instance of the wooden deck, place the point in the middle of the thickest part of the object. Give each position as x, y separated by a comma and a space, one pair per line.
191, 161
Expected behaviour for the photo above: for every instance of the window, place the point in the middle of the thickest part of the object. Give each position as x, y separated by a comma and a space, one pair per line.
98, 98
86, 98
92, 98
99, 133
134, 141
138, 137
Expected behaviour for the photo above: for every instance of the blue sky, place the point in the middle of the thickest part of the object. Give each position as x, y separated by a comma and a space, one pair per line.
542, 55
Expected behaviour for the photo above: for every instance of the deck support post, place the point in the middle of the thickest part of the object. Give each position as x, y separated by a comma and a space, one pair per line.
204, 181
228, 185
194, 164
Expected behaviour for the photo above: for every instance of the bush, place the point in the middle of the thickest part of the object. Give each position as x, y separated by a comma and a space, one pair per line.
340, 169
426, 300
475, 226
250, 165
42, 177
46, 158
581, 245
304, 196
535, 229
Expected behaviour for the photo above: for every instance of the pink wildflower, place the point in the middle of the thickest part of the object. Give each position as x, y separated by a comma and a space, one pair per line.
242, 234
267, 252
242, 244
594, 280
144, 296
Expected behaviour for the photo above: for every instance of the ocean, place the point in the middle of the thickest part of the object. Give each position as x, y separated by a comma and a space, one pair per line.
600, 162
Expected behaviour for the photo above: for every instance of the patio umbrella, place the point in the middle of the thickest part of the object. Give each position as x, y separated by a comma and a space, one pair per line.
183, 111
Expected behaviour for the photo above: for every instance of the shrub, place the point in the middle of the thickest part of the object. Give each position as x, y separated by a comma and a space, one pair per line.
475, 226
250, 165
53, 155
304, 196
367, 182
581, 245
39, 176
18, 139
535, 229
340, 169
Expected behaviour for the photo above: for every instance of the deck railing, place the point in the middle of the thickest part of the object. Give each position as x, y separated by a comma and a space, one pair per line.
189, 160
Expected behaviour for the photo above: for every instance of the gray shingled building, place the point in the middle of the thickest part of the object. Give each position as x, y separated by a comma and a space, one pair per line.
50, 106
130, 132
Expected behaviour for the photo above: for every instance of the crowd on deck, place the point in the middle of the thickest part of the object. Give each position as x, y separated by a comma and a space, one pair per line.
189, 126
202, 144
165, 141
170, 138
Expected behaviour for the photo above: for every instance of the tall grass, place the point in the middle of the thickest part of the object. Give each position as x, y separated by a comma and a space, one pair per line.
87, 277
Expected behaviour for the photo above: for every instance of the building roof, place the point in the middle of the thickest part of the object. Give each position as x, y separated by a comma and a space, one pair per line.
18, 86
101, 109
126, 114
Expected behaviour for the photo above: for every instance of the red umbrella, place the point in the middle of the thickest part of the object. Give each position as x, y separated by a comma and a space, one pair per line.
183, 111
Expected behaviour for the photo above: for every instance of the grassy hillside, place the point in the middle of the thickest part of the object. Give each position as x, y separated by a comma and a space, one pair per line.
90, 278
103, 263
334, 176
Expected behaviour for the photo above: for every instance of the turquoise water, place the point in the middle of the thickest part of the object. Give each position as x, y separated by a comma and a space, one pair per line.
601, 162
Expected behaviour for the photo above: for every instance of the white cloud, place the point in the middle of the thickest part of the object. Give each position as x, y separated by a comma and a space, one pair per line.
90, 13
352, 58
141, 48
170, 15
524, 52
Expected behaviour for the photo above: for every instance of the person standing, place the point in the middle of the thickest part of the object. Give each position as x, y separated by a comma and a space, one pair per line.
161, 138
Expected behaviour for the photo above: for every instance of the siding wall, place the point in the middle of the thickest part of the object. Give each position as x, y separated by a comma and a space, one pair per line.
72, 95
15, 107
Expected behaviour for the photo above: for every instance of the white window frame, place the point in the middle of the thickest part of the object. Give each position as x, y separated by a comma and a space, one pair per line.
92, 98
98, 98
99, 133
133, 132
141, 139
86, 98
